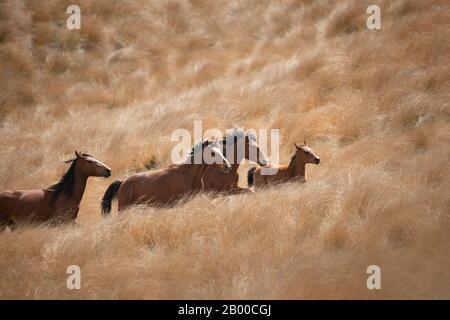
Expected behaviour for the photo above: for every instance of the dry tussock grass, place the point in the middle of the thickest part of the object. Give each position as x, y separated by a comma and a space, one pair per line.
373, 104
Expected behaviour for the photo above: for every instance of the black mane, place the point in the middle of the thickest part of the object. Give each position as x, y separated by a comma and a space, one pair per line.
199, 146
292, 162
65, 184
234, 136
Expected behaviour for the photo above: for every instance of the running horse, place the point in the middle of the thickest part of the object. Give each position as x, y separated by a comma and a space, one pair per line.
237, 145
56, 204
167, 186
295, 170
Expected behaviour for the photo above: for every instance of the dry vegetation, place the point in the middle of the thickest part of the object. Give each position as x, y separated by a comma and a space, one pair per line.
373, 104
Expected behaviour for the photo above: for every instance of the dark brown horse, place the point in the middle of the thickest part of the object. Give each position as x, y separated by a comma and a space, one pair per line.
296, 169
56, 204
216, 180
166, 186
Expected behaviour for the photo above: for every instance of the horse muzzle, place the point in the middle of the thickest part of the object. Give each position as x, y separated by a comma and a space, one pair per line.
107, 173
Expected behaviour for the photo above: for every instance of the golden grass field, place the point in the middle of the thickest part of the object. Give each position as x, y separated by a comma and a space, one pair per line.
373, 104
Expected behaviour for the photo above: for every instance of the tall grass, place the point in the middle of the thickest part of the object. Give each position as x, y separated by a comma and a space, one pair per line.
374, 105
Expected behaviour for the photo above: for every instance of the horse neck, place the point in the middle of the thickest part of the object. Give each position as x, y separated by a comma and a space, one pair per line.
79, 185
297, 168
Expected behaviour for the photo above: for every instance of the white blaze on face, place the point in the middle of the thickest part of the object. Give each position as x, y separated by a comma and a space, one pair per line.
98, 163
308, 149
219, 157
213, 155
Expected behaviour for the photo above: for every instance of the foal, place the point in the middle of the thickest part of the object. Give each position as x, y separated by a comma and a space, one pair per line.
296, 169
56, 204
165, 186
237, 145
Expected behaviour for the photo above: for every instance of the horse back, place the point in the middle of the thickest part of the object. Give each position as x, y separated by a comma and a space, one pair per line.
276, 174
8, 198
155, 186
23, 204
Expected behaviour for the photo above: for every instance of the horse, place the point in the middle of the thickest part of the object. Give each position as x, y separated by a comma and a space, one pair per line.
217, 181
166, 186
295, 170
56, 204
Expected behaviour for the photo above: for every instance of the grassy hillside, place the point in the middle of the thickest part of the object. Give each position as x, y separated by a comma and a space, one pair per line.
374, 105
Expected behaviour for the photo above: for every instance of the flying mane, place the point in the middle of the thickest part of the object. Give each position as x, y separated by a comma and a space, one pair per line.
198, 147
236, 135
66, 184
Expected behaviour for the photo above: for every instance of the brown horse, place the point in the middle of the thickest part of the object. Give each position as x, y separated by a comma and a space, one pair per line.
216, 180
296, 169
166, 186
56, 204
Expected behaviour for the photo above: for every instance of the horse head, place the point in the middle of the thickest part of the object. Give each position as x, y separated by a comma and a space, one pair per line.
91, 167
306, 154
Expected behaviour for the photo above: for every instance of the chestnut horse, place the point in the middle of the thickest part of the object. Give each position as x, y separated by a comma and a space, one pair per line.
166, 186
56, 204
296, 169
216, 180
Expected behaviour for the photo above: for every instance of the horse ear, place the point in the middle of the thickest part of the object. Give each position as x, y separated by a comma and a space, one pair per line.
297, 146
77, 154
304, 142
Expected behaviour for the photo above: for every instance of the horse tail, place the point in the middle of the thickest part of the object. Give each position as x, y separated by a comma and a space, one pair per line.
109, 196
250, 173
